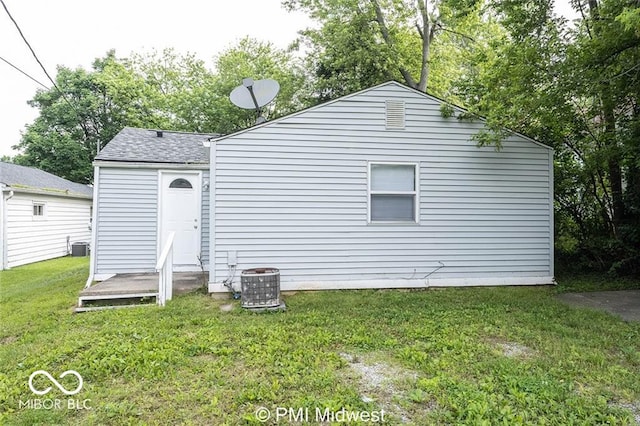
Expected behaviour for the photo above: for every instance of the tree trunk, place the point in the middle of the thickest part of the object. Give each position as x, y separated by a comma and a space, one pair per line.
427, 35
613, 155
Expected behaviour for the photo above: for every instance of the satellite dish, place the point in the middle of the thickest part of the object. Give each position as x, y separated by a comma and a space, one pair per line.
255, 94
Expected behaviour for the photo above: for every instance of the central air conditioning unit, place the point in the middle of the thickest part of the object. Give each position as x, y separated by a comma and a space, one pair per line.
80, 249
260, 288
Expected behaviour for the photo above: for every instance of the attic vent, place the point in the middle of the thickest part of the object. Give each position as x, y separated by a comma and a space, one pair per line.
395, 115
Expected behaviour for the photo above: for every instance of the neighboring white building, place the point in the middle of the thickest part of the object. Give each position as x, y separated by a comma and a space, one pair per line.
372, 190
41, 215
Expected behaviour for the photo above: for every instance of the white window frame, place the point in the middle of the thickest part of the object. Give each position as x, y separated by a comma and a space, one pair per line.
44, 210
415, 192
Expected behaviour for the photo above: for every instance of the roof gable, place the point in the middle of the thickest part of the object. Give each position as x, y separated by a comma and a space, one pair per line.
393, 85
29, 179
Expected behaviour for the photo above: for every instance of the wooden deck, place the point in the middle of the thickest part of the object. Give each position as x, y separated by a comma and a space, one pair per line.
127, 290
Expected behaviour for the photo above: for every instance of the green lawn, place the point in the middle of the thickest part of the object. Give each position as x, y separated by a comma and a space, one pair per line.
456, 356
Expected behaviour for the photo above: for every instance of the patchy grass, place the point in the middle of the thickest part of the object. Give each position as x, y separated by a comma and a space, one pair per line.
456, 356
595, 282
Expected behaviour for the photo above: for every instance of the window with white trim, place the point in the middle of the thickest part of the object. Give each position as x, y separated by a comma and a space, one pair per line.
38, 210
393, 195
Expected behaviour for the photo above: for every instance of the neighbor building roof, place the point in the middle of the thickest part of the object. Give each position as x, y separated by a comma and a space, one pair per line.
157, 146
29, 179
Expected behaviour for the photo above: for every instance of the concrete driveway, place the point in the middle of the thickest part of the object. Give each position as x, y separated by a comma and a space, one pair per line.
624, 303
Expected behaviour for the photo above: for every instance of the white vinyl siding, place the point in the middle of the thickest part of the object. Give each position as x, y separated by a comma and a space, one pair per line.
204, 244
293, 194
32, 238
126, 220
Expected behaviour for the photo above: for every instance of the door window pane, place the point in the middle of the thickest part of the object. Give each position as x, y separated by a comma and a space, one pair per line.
180, 183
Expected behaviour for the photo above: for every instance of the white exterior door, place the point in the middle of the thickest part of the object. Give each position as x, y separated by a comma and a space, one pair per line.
180, 212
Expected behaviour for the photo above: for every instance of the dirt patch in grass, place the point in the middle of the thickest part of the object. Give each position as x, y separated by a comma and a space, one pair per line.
633, 407
389, 386
511, 349
7, 340
227, 307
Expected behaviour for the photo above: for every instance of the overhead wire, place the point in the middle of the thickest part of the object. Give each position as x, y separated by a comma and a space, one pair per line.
23, 72
28, 44
64, 96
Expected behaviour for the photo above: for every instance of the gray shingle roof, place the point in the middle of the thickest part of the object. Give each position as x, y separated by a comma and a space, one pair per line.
141, 145
29, 179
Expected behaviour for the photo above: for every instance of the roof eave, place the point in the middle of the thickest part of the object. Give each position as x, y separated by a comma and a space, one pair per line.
149, 165
40, 191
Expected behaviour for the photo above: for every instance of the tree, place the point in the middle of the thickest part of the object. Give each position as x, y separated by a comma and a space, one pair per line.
363, 43
576, 90
258, 60
76, 119
158, 90
175, 89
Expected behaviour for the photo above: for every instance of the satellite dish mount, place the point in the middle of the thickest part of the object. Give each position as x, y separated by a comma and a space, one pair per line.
248, 83
254, 95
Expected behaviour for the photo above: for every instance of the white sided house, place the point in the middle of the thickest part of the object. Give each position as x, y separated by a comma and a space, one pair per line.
41, 215
372, 190
148, 184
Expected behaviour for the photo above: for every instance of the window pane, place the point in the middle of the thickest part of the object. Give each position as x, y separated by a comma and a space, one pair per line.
392, 177
393, 208
180, 183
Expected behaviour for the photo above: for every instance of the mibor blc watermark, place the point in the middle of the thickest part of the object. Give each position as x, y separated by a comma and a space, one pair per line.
318, 415
55, 403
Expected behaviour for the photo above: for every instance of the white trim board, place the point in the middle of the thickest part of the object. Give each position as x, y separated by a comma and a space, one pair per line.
400, 283
60, 194
3, 228
213, 177
94, 228
197, 174
139, 165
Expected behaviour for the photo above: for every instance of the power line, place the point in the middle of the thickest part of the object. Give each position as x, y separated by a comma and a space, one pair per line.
29, 46
64, 96
23, 72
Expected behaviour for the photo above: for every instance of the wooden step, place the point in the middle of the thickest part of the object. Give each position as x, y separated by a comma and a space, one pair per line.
115, 296
113, 301
102, 308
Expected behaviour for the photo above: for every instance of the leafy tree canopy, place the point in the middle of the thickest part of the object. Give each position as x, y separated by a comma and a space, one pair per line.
159, 90
358, 44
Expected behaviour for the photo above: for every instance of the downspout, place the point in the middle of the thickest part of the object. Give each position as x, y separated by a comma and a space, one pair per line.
551, 218
2, 227
212, 215
4, 263
94, 228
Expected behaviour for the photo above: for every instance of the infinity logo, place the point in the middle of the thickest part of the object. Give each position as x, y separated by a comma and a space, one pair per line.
55, 382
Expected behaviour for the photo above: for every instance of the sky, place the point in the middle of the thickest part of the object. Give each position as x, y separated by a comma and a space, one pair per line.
75, 32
